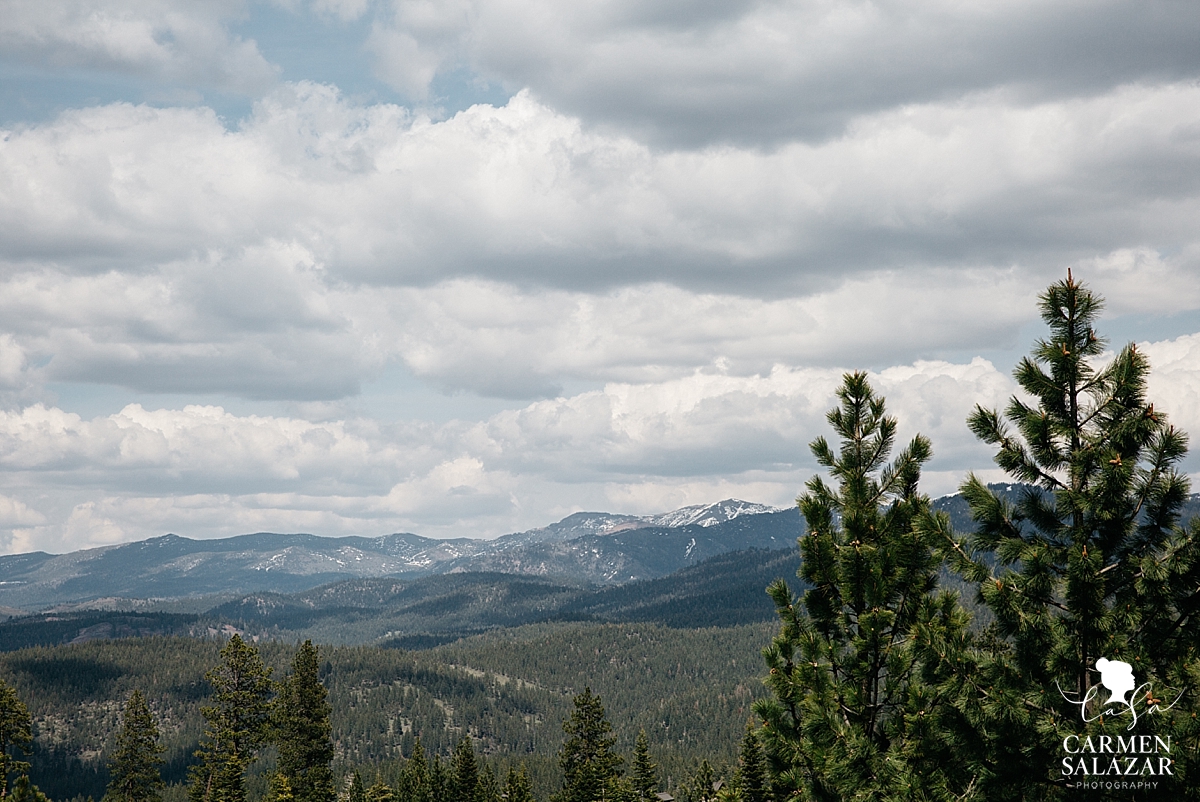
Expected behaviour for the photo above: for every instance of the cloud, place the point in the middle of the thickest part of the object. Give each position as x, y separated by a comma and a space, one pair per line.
641, 447
1174, 383
174, 41
769, 72
508, 250
13, 514
201, 471
201, 448
523, 193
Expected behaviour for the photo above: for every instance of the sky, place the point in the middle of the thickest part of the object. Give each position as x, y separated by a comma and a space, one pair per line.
463, 267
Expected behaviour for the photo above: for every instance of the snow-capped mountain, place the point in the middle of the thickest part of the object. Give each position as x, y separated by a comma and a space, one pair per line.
593, 547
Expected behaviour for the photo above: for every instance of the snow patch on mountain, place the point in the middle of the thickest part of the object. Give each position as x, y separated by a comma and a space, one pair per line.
708, 514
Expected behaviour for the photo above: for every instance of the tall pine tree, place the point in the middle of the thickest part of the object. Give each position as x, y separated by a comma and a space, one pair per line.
279, 789
415, 785
441, 783
588, 761
851, 717
752, 771
134, 766
645, 780
702, 786
16, 732
236, 726
465, 774
518, 787
303, 731
380, 791
1089, 561
357, 791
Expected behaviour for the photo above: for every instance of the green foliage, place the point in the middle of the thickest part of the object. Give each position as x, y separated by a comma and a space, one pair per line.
16, 732
134, 765
48, 629
489, 785
357, 791
690, 690
751, 776
440, 783
301, 717
24, 790
380, 791
464, 777
415, 783
517, 787
1091, 560
645, 780
587, 758
852, 716
236, 726
702, 786
279, 789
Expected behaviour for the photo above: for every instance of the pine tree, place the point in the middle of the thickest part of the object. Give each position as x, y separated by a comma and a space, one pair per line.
1090, 562
357, 792
25, 791
380, 791
619, 789
440, 783
701, 786
134, 765
303, 730
279, 789
645, 781
414, 779
465, 773
16, 732
751, 772
851, 717
489, 786
587, 760
235, 727
517, 787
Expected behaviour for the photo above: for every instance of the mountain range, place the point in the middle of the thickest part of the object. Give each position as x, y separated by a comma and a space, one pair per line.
592, 550
586, 547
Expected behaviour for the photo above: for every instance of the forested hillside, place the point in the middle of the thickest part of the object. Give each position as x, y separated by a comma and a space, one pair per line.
689, 690
726, 590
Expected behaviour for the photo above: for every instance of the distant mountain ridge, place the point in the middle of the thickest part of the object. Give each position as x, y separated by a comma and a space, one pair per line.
591, 547
585, 548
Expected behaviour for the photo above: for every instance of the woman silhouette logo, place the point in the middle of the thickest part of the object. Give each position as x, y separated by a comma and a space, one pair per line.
1117, 676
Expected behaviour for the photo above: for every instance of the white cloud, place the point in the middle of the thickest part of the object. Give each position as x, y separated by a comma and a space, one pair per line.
416, 40
636, 447
293, 257
1174, 383
524, 193
14, 513
180, 41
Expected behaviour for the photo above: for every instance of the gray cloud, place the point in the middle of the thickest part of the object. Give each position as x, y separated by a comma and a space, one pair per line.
524, 194
765, 73
505, 251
